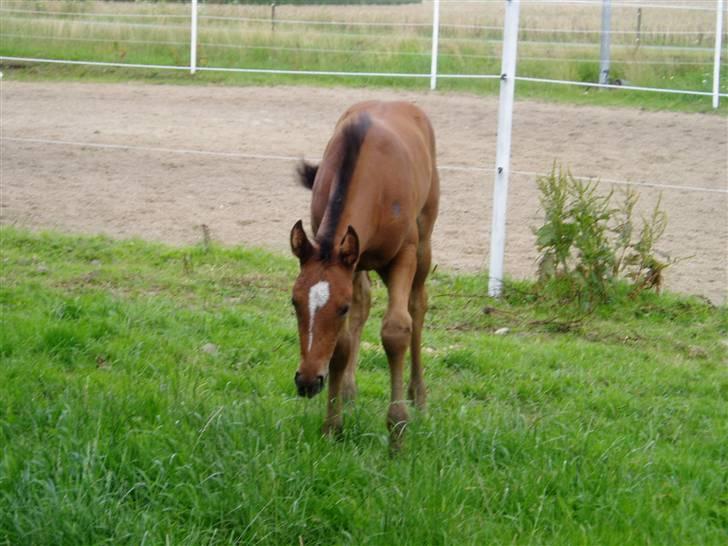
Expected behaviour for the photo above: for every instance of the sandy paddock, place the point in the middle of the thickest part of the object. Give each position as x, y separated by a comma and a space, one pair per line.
159, 161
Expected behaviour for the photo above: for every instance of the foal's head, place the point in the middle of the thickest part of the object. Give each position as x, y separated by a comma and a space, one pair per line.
322, 296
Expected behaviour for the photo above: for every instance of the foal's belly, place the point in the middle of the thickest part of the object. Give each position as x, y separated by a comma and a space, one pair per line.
372, 262
378, 258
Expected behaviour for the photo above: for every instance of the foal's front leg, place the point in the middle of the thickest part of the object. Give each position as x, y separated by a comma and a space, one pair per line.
397, 334
337, 368
358, 315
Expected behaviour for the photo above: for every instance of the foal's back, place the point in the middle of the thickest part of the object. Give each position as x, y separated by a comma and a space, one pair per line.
393, 192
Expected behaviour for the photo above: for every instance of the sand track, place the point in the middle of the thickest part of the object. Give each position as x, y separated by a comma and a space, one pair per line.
143, 188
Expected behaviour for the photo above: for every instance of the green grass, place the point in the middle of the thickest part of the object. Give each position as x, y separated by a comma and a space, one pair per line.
117, 428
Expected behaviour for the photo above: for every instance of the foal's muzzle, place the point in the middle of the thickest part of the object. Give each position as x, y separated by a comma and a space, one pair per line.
309, 388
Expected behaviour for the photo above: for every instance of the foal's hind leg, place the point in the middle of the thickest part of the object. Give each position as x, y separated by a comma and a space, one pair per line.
417, 308
357, 318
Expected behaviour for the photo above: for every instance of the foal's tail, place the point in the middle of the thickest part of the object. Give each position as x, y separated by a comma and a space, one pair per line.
306, 173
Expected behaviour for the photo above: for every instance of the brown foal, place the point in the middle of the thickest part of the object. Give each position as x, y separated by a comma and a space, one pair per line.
373, 207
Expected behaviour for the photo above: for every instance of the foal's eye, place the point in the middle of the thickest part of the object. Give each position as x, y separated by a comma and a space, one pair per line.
343, 310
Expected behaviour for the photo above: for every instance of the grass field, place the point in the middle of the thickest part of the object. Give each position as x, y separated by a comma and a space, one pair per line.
562, 42
120, 425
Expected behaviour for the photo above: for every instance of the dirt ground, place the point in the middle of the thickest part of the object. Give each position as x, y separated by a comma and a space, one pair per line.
158, 161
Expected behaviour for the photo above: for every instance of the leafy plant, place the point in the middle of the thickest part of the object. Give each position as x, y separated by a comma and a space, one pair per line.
586, 243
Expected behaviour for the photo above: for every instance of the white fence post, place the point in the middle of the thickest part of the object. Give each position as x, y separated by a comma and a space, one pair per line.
193, 38
435, 40
716, 61
604, 59
503, 147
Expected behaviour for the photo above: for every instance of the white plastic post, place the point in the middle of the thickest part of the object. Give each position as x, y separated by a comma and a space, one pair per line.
193, 38
435, 40
604, 60
716, 61
503, 147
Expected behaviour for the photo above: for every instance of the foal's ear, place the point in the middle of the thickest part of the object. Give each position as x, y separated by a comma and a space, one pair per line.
300, 245
349, 248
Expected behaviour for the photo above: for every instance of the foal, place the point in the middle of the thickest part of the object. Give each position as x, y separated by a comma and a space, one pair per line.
373, 208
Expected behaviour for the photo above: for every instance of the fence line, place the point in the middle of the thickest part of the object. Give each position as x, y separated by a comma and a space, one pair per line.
227, 30
358, 74
612, 86
273, 157
257, 70
93, 63
426, 54
586, 45
495, 42
596, 3
380, 36
423, 54
102, 23
103, 40
316, 22
95, 14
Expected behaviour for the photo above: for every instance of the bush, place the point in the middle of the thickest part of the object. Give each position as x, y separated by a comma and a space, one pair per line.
586, 244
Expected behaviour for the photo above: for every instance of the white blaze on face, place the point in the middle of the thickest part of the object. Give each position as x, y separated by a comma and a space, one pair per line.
318, 296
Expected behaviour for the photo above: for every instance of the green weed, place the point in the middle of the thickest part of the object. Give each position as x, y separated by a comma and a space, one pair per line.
587, 244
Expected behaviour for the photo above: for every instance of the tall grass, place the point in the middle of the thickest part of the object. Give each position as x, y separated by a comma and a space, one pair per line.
119, 426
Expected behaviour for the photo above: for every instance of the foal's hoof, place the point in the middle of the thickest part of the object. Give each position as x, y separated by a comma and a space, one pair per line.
332, 430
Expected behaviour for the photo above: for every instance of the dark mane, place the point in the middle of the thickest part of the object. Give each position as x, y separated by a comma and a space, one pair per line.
352, 137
